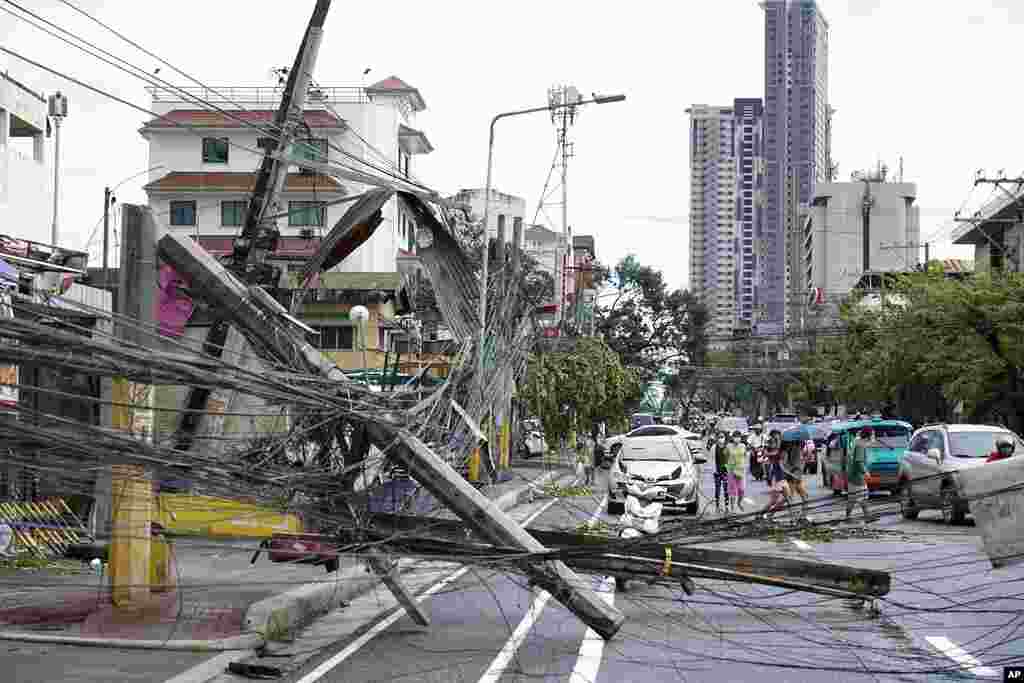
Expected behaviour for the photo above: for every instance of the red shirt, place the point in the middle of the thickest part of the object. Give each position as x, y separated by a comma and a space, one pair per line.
996, 455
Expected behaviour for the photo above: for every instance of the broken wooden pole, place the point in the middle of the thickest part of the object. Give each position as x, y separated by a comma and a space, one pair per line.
484, 517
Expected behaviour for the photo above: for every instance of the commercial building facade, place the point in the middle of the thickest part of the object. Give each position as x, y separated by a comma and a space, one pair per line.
506, 210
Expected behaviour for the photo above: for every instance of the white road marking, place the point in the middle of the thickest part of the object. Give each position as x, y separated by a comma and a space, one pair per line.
592, 648
961, 657
497, 668
803, 545
353, 647
211, 667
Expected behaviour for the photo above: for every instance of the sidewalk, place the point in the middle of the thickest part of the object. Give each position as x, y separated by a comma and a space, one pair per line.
220, 594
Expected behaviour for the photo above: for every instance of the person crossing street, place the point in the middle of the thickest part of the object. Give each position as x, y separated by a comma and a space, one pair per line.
856, 471
736, 456
721, 473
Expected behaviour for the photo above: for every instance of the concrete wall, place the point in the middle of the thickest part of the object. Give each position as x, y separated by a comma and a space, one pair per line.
506, 205
26, 176
834, 236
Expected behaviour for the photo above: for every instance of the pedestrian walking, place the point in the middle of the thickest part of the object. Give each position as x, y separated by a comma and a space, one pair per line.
773, 453
585, 460
856, 471
736, 454
721, 473
756, 442
778, 489
793, 471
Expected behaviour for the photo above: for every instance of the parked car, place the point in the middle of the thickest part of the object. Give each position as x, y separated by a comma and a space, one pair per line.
928, 473
662, 460
883, 461
531, 440
788, 418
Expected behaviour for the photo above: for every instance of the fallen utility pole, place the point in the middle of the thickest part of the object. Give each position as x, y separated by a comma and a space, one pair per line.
626, 558
273, 330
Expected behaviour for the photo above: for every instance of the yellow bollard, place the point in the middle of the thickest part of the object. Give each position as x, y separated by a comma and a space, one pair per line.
162, 577
474, 465
130, 545
506, 443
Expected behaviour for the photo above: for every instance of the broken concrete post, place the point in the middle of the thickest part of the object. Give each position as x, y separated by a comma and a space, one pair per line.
996, 495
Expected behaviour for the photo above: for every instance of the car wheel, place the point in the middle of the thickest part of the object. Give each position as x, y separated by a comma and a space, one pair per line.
615, 508
907, 505
952, 509
692, 508
620, 584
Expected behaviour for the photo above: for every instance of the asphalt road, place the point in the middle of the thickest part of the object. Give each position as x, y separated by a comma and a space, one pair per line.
948, 617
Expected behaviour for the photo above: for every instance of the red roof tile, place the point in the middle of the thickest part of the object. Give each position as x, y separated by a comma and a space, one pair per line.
201, 118
240, 182
395, 84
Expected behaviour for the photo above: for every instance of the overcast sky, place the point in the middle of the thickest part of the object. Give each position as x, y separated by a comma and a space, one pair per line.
929, 81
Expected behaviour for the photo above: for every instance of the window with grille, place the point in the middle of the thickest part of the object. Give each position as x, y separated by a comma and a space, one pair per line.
232, 214
215, 150
183, 213
306, 214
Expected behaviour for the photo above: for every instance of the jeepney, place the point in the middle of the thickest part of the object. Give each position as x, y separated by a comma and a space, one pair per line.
883, 459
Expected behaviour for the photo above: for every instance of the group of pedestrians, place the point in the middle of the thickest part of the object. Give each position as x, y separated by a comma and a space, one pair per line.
781, 465
730, 458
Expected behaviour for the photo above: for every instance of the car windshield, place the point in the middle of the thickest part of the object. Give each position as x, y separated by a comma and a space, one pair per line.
653, 431
978, 444
733, 424
893, 436
667, 451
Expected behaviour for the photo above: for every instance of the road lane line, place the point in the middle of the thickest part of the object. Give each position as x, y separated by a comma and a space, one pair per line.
802, 545
588, 661
960, 656
497, 668
357, 644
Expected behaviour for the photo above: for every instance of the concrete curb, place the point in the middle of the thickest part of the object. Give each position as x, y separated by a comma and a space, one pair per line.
242, 642
281, 615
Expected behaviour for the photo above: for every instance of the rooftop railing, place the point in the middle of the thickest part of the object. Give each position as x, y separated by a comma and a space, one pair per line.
249, 95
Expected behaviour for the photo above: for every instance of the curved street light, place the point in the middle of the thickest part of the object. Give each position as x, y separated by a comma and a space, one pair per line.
596, 99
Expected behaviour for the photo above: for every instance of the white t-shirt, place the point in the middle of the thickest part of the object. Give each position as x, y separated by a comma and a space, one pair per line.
755, 441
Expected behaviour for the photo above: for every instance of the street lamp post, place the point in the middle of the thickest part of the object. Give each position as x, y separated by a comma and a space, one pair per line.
487, 205
361, 315
58, 109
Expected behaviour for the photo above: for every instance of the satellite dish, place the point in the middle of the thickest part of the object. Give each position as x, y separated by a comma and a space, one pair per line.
6, 537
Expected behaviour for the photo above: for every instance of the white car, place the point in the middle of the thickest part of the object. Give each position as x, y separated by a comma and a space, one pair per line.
695, 441
662, 461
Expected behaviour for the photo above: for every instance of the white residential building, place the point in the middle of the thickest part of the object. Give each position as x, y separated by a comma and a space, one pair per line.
26, 183
208, 161
506, 209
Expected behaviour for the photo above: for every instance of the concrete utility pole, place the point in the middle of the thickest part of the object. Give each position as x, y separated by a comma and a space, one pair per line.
248, 308
259, 232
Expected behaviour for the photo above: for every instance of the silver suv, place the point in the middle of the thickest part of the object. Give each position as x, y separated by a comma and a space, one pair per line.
928, 470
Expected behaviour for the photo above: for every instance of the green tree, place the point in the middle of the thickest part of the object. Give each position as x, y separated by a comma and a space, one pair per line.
650, 326
575, 389
964, 338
